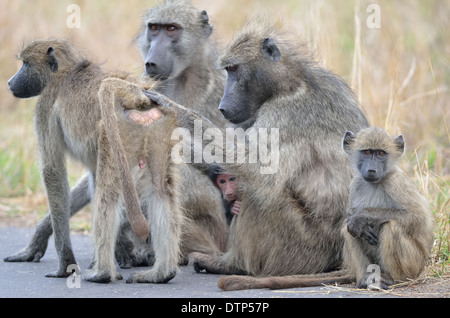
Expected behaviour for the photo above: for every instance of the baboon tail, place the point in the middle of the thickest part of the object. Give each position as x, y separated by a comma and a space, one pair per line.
107, 98
237, 282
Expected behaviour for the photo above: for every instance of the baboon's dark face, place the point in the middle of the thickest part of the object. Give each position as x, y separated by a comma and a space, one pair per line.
162, 38
372, 164
249, 84
31, 79
26, 83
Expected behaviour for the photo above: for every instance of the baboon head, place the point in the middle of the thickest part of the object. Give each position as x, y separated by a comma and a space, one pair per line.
171, 38
373, 152
259, 67
40, 62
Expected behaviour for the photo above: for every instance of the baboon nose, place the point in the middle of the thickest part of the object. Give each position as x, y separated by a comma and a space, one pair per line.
150, 67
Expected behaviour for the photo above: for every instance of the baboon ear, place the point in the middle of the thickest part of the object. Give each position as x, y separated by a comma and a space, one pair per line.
52, 59
400, 143
204, 19
349, 139
270, 49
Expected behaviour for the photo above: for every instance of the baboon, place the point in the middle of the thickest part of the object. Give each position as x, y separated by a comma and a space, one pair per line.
388, 223
176, 44
68, 121
290, 220
227, 185
196, 83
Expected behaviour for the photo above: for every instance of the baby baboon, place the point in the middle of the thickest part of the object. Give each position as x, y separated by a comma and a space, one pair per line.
196, 83
290, 220
389, 222
227, 185
68, 121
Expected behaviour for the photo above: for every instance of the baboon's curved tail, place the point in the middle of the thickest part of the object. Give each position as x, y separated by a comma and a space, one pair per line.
107, 96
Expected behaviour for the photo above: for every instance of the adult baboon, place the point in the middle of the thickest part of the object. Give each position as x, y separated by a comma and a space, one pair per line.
68, 121
389, 222
290, 220
196, 83
177, 47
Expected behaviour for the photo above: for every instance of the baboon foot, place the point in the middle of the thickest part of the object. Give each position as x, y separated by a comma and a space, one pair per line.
152, 276
30, 254
384, 283
102, 277
58, 274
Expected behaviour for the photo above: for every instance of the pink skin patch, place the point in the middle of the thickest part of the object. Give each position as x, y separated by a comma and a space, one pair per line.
144, 118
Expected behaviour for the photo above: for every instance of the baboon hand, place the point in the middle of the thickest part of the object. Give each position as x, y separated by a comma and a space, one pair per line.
359, 227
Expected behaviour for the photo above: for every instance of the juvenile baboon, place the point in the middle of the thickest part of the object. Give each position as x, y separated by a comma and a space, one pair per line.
68, 121
195, 83
290, 220
389, 223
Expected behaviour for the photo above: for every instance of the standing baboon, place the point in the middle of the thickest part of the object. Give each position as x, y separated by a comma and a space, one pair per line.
195, 83
290, 220
68, 121
389, 222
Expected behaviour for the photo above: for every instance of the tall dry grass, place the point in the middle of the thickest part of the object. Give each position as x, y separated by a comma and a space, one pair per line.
400, 73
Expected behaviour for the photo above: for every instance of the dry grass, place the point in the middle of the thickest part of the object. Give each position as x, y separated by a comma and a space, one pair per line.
400, 73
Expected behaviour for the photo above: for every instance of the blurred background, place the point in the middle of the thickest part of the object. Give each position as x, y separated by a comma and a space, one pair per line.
394, 54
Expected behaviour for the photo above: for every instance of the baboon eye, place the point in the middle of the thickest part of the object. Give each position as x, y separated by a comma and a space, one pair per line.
232, 68
232, 178
381, 153
171, 28
222, 181
153, 27
367, 152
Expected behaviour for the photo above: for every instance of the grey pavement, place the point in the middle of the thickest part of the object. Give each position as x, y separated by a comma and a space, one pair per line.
27, 280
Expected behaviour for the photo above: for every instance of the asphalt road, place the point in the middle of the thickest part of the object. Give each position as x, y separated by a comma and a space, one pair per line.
27, 280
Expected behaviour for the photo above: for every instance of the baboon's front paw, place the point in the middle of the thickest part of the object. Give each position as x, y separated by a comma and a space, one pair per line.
151, 277
102, 277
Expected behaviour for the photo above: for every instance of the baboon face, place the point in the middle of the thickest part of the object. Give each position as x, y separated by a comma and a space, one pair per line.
249, 83
172, 38
31, 79
373, 152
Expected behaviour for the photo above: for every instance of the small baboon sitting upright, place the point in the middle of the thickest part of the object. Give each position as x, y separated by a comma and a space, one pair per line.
389, 223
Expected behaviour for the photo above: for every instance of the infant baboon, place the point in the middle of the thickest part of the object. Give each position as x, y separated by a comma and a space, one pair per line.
389, 222
227, 185
68, 121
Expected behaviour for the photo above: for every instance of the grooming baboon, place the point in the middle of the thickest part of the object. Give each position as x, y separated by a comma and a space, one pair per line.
196, 83
290, 220
68, 121
389, 222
